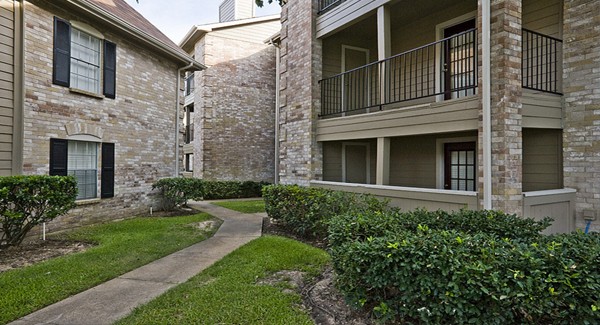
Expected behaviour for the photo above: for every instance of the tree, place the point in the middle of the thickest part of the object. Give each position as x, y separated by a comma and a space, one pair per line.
260, 3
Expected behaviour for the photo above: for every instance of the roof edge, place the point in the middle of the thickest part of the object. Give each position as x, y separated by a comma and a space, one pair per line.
139, 34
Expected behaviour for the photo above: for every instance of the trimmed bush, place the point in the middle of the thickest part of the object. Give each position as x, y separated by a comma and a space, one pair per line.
307, 210
176, 191
433, 267
27, 201
215, 190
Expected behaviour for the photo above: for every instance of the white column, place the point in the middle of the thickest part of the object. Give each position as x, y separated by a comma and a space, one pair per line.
383, 161
384, 39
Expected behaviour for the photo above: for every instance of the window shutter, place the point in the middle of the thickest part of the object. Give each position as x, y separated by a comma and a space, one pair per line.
61, 69
58, 157
107, 187
110, 69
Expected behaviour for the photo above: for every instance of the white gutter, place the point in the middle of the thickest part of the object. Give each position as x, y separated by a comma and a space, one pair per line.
486, 102
177, 99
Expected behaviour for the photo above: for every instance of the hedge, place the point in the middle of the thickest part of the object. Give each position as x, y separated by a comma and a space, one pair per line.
410, 267
26, 201
306, 210
214, 190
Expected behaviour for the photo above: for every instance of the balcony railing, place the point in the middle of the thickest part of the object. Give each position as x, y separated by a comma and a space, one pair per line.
325, 5
446, 68
189, 84
541, 64
189, 133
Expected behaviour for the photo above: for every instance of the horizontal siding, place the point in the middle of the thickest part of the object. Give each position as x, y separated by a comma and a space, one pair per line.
6, 85
541, 110
558, 205
543, 16
254, 33
344, 14
447, 116
542, 159
412, 161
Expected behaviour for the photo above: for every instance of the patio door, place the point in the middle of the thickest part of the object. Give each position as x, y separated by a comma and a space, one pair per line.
459, 166
459, 63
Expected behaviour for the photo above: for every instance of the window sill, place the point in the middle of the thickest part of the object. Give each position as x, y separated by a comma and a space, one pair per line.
87, 201
86, 93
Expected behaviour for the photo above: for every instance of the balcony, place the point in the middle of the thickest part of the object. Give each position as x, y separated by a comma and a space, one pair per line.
325, 5
442, 70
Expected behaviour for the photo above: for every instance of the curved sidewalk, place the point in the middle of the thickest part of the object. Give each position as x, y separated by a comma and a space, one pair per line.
115, 299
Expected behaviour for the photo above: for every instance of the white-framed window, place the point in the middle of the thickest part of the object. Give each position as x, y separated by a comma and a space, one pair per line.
83, 164
85, 61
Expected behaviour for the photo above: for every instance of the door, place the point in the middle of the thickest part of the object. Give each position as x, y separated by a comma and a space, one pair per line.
356, 163
459, 63
355, 83
460, 166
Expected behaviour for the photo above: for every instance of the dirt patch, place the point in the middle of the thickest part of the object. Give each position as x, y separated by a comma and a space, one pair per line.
208, 225
37, 251
320, 297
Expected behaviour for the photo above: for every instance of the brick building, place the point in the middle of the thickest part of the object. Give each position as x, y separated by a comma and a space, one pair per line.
230, 107
446, 104
90, 90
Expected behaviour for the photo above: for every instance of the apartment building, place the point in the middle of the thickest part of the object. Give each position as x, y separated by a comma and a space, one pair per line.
89, 88
445, 104
229, 108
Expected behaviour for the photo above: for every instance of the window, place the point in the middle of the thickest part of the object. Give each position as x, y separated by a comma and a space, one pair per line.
189, 162
83, 61
80, 159
459, 166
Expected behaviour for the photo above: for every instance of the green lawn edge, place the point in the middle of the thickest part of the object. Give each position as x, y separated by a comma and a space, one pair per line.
245, 206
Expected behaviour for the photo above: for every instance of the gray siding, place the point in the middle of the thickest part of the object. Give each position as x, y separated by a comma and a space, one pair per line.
253, 33
412, 161
542, 159
7, 75
543, 16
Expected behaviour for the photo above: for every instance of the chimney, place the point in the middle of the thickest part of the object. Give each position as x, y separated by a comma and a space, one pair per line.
236, 9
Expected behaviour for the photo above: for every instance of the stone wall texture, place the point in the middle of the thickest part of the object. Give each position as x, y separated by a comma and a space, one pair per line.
140, 121
301, 68
234, 110
581, 87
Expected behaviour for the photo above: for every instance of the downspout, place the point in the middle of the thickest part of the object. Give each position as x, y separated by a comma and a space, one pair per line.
177, 99
277, 112
487, 100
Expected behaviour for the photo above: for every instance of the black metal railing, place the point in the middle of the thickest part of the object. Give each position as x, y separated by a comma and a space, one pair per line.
540, 65
189, 84
189, 133
325, 5
446, 68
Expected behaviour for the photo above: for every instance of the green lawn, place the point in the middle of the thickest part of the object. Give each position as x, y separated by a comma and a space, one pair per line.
227, 293
121, 247
251, 206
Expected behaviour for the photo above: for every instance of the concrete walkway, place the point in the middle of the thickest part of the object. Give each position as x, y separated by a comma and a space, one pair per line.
115, 299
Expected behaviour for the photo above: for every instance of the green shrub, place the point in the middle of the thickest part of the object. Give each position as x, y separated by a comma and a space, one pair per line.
408, 271
176, 191
306, 211
26, 201
214, 190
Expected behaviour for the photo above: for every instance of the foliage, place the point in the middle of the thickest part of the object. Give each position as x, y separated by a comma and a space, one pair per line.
306, 210
214, 190
121, 247
251, 206
27, 201
228, 292
176, 191
412, 267
261, 3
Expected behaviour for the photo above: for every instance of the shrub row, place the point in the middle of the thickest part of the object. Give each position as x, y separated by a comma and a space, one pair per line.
26, 201
177, 191
306, 210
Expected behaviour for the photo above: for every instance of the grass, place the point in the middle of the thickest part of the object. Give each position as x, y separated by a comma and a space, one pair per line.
227, 293
121, 246
251, 206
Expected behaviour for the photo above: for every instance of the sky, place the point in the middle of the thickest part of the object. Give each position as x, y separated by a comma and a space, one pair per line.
176, 17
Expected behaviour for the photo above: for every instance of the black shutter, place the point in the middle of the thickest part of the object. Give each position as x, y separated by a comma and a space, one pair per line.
110, 69
58, 157
61, 69
107, 187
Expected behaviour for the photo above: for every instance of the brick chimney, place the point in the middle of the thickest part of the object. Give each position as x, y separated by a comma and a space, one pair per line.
236, 9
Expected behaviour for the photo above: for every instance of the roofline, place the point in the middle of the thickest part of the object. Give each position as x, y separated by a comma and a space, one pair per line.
275, 38
137, 33
197, 30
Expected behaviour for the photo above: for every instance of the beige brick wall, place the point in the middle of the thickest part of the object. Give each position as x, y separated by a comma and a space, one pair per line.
234, 110
140, 121
581, 87
301, 69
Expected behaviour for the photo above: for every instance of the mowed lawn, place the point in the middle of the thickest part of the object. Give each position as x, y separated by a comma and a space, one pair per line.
229, 292
120, 247
243, 206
